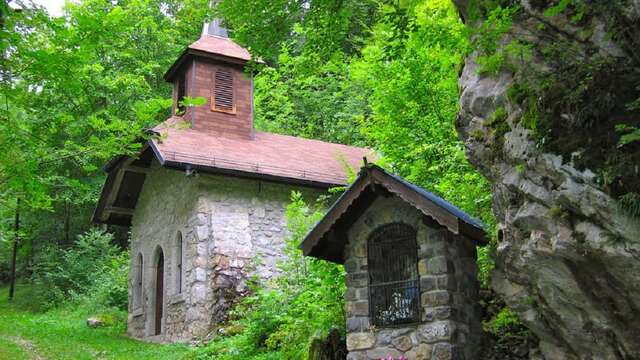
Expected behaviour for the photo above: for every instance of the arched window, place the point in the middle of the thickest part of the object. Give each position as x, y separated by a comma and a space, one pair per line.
394, 288
178, 264
137, 285
181, 93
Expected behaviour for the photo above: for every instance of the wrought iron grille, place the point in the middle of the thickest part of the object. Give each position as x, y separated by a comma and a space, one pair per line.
394, 288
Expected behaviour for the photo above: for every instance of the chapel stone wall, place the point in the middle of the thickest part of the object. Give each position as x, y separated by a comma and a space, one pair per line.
231, 228
449, 326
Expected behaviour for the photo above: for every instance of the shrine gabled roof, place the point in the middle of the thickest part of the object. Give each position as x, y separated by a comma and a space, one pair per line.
327, 239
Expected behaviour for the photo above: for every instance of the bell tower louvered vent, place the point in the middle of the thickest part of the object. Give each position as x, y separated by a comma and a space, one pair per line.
223, 92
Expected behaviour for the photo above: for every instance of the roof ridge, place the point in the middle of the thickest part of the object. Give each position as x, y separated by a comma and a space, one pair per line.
314, 140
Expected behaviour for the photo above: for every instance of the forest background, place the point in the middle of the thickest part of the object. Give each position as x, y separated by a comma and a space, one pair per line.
78, 89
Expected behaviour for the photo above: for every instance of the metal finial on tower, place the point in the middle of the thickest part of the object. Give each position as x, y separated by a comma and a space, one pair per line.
214, 27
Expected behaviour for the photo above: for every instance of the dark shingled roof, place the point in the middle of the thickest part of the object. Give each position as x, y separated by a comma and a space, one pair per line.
441, 202
327, 238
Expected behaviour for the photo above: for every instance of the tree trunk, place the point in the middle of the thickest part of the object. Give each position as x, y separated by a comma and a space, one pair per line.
67, 215
15, 251
332, 347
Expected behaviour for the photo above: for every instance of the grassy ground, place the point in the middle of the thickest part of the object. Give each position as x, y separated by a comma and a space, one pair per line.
63, 334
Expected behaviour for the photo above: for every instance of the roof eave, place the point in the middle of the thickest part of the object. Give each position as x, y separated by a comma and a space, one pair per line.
189, 53
249, 175
373, 174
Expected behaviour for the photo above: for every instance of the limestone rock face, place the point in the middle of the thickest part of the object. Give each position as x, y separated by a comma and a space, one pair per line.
568, 259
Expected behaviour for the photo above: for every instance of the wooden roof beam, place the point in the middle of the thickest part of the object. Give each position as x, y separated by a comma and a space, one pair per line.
118, 210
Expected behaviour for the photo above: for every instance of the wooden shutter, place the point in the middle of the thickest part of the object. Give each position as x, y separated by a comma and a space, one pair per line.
223, 91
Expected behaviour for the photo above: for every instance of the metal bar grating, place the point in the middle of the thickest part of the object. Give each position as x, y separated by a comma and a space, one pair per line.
394, 289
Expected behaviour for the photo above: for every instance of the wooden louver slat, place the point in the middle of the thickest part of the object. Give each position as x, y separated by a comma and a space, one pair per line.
223, 91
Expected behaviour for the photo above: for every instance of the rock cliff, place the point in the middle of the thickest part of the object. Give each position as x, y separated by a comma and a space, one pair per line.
547, 129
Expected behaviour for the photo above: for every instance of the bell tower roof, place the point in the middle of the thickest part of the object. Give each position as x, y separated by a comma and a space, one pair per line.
214, 43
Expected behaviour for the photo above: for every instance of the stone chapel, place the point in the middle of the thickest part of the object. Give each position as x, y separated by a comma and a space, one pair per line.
205, 198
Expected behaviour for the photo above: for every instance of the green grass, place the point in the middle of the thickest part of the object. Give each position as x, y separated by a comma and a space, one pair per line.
10, 350
63, 334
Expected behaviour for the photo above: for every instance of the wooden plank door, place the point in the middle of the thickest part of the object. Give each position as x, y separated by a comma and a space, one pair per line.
159, 293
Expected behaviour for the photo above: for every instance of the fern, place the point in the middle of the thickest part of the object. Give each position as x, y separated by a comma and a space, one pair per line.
630, 203
629, 134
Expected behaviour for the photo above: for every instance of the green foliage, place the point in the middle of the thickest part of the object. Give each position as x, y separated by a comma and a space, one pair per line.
91, 266
512, 54
629, 133
485, 265
477, 135
557, 8
630, 203
558, 212
318, 103
488, 36
498, 125
109, 289
492, 64
581, 95
414, 101
498, 116
504, 323
76, 91
190, 101
316, 28
279, 319
76, 84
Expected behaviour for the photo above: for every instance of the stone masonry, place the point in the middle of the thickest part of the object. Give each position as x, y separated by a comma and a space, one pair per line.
450, 320
230, 228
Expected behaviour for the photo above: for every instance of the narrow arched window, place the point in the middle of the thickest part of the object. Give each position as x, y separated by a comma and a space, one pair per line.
181, 93
223, 91
137, 286
178, 261
394, 288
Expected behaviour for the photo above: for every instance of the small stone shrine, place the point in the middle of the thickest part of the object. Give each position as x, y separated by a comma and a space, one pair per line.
410, 259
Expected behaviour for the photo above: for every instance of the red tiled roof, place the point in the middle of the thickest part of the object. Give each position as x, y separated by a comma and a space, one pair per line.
221, 46
268, 154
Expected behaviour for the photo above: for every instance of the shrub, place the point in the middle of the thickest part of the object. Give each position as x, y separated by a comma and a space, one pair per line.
110, 288
92, 267
505, 324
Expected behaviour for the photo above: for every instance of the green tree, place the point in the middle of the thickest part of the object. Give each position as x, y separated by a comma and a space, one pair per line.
76, 91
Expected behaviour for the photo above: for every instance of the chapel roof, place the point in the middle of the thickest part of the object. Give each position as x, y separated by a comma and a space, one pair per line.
327, 238
265, 155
